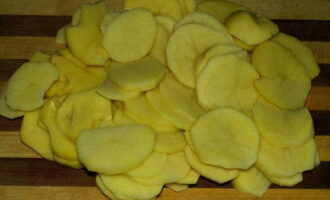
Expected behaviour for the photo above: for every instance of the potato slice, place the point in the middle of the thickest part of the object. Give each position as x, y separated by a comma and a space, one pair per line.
5, 110
284, 81
130, 43
115, 150
220, 9
250, 28
181, 99
40, 56
251, 181
107, 19
71, 163
139, 110
286, 181
85, 39
177, 187
186, 44
227, 81
119, 118
190, 5
113, 92
191, 178
104, 189
161, 107
76, 17
167, 22
28, 85
125, 186
282, 128
219, 126
34, 136
60, 35
214, 173
170, 142
187, 136
152, 166
244, 46
301, 51
141, 75
158, 50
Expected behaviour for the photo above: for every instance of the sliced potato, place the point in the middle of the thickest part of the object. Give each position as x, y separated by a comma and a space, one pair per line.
286, 181
158, 50
60, 35
191, 178
284, 81
113, 92
28, 85
186, 44
244, 46
187, 136
119, 118
190, 5
104, 189
5, 110
40, 56
167, 22
130, 43
177, 187
76, 17
71, 163
170, 142
107, 19
115, 150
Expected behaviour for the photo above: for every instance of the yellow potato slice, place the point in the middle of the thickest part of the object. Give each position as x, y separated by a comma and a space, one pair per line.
76, 17
167, 22
286, 162
115, 150
139, 110
113, 92
71, 163
152, 166
190, 5
282, 128
181, 99
28, 85
158, 50
191, 178
119, 118
219, 141
66, 53
5, 110
177, 187
124, 186
34, 136
186, 44
214, 173
39, 56
140, 75
227, 81
104, 189
301, 51
251, 181
161, 106
130, 43
250, 28
170, 142
85, 39
60, 35
284, 81
107, 19
220, 9
187, 136
286, 181
244, 46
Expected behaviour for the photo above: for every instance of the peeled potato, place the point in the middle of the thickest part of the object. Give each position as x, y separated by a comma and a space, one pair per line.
119, 118
130, 43
301, 51
187, 136
219, 141
159, 47
284, 81
191, 178
214, 173
186, 44
177, 187
107, 19
167, 22
190, 5
28, 85
286, 181
227, 81
104, 189
5, 110
170, 142
244, 46
39, 56
117, 149
113, 92
60, 35
76, 17
140, 75
282, 128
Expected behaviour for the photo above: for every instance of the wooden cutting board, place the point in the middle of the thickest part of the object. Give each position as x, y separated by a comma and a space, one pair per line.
30, 25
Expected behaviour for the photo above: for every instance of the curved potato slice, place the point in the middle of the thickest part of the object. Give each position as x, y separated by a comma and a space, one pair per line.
76, 17
167, 22
217, 174
227, 81
219, 141
282, 128
60, 35
177, 187
186, 44
113, 92
117, 149
190, 5
130, 43
5, 110
158, 50
40, 56
170, 142
119, 118
284, 82
191, 178
286, 181
71, 163
187, 136
244, 46
28, 85
301, 51
107, 19
104, 189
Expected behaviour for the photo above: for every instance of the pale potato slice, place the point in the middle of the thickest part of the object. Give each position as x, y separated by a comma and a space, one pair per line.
104, 189
130, 43
39, 56
219, 141
119, 118
227, 81
251, 181
282, 128
115, 150
186, 44
66, 53
286, 162
177, 187
139, 110
175, 169
181, 99
5, 110
107, 19
71, 163
124, 186
170, 142
286, 181
190, 5
161, 106
76, 17
158, 50
167, 22
34, 136
187, 136
60, 35
214, 173
284, 81
152, 166
250, 28
28, 85
113, 92
301, 51
220, 9
244, 46
191, 178
140, 75
85, 39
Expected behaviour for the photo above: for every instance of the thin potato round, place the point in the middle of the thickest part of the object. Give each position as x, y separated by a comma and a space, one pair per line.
191, 178
113, 92
5, 110
170, 142
167, 22
158, 50
286, 181
104, 189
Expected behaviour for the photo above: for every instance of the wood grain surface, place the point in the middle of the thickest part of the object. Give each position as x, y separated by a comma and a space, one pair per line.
27, 26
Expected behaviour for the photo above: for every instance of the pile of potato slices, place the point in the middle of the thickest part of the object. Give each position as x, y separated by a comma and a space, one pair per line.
166, 91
